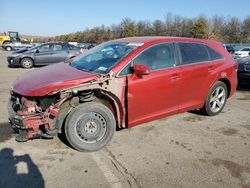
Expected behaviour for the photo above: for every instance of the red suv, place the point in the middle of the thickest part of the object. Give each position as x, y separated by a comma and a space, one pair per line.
120, 84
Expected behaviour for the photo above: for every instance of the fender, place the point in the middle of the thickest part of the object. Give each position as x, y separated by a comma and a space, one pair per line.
108, 86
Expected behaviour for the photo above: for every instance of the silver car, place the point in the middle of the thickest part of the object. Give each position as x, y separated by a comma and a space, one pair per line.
16, 45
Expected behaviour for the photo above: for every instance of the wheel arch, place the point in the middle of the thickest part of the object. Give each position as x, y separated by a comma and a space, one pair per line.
7, 47
115, 105
228, 84
108, 99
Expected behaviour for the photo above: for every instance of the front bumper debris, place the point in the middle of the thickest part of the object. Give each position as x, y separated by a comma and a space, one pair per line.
29, 121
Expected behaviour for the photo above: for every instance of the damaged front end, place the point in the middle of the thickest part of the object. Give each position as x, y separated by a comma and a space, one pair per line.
33, 117
43, 116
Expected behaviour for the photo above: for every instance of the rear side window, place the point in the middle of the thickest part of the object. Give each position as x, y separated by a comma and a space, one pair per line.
213, 54
193, 53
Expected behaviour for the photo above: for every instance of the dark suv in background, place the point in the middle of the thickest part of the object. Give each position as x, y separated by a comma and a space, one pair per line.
230, 48
44, 54
244, 70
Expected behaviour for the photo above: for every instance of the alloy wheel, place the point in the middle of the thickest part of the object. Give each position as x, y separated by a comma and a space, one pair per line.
217, 99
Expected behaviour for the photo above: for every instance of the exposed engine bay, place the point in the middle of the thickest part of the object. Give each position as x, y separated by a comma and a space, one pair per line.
43, 117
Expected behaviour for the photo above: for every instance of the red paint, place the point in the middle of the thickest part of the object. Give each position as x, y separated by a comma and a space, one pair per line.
153, 96
141, 70
33, 125
44, 80
149, 97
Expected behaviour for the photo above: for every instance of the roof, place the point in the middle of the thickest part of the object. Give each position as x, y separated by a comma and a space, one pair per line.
147, 39
140, 39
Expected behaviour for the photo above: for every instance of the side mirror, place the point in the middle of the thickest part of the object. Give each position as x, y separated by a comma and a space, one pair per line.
37, 51
140, 69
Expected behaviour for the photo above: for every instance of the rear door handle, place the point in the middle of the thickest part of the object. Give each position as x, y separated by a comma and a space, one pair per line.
210, 68
175, 76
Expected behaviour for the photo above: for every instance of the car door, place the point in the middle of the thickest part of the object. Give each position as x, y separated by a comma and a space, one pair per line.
74, 51
44, 54
60, 53
154, 95
196, 69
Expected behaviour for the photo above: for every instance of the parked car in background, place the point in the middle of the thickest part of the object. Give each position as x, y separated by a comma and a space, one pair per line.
230, 48
86, 45
73, 43
120, 84
244, 70
16, 45
44, 54
242, 52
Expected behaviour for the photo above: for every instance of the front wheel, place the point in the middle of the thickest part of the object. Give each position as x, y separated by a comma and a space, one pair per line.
27, 63
216, 99
90, 126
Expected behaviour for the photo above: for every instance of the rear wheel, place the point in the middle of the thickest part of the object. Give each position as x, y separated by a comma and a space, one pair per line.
90, 126
27, 63
216, 99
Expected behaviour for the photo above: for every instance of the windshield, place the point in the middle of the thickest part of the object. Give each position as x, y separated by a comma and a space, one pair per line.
103, 57
35, 47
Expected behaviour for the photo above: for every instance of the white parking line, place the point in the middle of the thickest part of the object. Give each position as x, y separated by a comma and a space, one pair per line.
110, 176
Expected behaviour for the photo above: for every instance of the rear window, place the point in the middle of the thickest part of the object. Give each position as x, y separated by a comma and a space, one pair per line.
193, 53
245, 49
213, 54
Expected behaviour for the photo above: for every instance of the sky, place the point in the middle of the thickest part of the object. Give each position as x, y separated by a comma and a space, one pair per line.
56, 17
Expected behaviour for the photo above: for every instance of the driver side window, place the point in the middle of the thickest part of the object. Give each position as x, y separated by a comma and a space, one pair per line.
57, 47
45, 48
157, 57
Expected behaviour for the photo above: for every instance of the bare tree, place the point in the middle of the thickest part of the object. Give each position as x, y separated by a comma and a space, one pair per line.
230, 30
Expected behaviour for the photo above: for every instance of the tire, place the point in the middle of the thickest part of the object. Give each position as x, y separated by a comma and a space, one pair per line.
11, 112
8, 48
27, 63
90, 126
216, 99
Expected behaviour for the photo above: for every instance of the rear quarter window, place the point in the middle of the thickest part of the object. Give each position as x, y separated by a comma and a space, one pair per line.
193, 53
213, 54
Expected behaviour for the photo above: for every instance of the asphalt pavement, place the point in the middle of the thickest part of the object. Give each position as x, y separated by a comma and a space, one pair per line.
184, 150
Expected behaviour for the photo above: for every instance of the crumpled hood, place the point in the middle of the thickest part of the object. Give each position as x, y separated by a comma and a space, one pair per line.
51, 78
